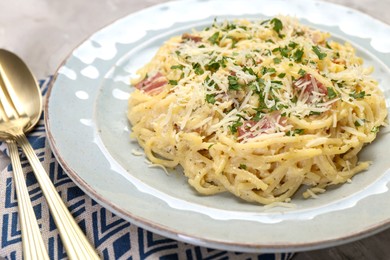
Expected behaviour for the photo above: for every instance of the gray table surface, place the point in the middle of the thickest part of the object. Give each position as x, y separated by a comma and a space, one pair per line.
44, 32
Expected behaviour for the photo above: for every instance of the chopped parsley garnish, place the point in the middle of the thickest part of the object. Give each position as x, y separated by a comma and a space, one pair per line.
314, 113
214, 39
294, 99
358, 95
358, 123
297, 55
302, 72
234, 127
321, 55
278, 82
331, 93
375, 129
210, 83
277, 26
213, 67
210, 98
179, 67
249, 71
242, 166
197, 69
265, 70
292, 45
233, 83
277, 60
291, 51
295, 132
173, 82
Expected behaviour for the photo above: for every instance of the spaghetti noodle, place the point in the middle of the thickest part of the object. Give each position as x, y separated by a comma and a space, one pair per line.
257, 108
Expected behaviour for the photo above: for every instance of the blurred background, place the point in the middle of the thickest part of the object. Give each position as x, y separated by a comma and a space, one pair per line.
44, 32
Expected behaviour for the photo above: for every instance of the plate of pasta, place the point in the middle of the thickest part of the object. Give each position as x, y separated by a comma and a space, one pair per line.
252, 127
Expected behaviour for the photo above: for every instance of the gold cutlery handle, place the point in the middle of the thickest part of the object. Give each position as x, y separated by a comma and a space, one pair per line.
33, 246
76, 244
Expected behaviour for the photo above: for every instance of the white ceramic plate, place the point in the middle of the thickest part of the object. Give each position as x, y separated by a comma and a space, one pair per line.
89, 134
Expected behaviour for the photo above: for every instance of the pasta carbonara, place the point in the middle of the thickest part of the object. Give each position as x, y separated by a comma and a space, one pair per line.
257, 108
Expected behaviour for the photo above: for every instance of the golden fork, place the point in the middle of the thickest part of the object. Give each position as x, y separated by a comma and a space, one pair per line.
33, 247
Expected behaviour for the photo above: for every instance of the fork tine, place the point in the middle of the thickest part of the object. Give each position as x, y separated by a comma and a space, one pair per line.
8, 98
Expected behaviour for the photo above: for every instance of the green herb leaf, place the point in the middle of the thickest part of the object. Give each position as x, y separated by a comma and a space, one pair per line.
277, 60
174, 67
214, 38
234, 127
277, 82
233, 83
321, 55
294, 99
375, 129
210, 98
358, 123
302, 72
315, 113
292, 45
331, 93
295, 132
278, 26
242, 166
213, 67
173, 82
210, 83
297, 55
264, 22
197, 69
269, 40
271, 70
358, 95
284, 51
249, 71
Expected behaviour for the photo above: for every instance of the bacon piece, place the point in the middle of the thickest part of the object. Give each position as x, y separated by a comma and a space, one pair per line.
310, 84
247, 127
152, 85
253, 128
187, 36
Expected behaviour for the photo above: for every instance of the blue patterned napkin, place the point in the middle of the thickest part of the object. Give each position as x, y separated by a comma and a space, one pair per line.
113, 237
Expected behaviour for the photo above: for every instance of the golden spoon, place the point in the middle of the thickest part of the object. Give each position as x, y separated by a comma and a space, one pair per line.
33, 246
25, 101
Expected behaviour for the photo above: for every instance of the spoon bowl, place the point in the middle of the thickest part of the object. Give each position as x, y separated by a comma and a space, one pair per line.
24, 86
